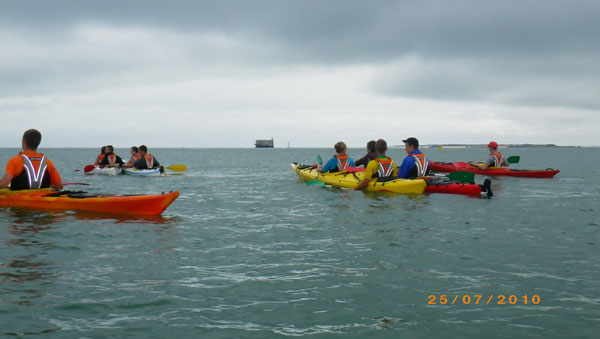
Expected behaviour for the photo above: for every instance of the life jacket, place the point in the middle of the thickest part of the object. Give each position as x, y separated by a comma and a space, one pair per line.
29, 178
497, 159
342, 162
385, 168
149, 160
134, 158
111, 158
421, 165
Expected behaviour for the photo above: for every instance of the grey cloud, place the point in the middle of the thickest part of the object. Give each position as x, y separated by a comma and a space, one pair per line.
481, 50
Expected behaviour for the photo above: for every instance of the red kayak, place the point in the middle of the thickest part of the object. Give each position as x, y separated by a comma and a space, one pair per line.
492, 171
444, 185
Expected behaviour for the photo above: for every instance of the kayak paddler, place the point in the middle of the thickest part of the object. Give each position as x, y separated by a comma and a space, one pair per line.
381, 167
146, 160
496, 159
339, 161
30, 169
110, 158
100, 156
134, 157
364, 161
415, 164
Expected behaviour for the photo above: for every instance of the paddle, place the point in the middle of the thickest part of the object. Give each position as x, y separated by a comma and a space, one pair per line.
177, 168
513, 159
316, 182
466, 177
88, 168
75, 183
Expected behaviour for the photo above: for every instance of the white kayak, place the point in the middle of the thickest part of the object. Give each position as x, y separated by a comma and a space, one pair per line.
105, 170
143, 172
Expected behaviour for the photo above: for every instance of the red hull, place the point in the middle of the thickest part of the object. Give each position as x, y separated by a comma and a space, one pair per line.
452, 188
502, 171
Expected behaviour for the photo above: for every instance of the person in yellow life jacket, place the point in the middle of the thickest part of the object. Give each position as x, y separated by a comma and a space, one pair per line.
494, 160
30, 169
100, 156
382, 167
339, 161
146, 160
415, 164
134, 157
110, 158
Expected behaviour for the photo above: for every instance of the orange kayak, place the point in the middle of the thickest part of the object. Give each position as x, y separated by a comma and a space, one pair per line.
49, 199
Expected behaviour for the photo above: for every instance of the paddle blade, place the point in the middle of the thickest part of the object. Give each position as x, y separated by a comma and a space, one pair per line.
177, 168
319, 160
466, 177
513, 159
88, 168
315, 183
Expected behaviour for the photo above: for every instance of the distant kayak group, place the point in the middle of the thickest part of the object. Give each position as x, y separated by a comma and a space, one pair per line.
140, 163
378, 172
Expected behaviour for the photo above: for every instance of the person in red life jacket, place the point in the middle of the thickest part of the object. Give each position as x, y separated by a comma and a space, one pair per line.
339, 161
146, 160
364, 161
415, 164
110, 158
100, 156
30, 169
382, 167
134, 157
494, 160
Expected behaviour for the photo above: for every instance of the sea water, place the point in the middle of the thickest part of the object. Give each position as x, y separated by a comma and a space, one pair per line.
250, 251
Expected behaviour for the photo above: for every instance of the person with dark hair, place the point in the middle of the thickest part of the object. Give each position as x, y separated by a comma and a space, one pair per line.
30, 169
111, 159
146, 160
415, 164
494, 160
364, 161
134, 156
382, 167
100, 156
340, 161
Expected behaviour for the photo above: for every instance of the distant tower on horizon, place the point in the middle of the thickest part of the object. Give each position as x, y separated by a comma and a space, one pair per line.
265, 143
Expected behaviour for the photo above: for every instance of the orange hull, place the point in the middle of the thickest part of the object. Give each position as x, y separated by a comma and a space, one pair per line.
119, 204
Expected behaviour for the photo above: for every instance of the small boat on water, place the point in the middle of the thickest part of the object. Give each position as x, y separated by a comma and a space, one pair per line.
492, 171
49, 199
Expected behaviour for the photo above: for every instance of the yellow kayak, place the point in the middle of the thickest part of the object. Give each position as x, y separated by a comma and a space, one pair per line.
351, 180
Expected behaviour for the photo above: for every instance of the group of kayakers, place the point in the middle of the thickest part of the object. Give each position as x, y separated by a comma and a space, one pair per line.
140, 158
379, 165
32, 170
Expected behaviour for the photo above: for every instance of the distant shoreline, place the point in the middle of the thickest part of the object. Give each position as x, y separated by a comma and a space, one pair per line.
458, 146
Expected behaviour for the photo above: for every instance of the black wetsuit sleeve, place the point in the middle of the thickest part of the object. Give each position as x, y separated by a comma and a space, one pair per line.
120, 161
362, 161
140, 163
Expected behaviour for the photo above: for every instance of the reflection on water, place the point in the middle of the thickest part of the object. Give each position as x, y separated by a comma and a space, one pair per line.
44, 217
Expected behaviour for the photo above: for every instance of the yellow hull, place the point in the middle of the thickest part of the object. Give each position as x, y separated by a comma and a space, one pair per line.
351, 180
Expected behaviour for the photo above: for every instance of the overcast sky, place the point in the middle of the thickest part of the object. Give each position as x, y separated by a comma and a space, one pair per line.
311, 73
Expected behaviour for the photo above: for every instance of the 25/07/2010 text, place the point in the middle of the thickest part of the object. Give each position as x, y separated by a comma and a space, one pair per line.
499, 299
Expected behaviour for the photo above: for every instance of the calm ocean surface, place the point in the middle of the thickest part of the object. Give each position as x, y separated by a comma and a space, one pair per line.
249, 251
